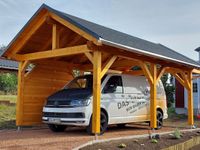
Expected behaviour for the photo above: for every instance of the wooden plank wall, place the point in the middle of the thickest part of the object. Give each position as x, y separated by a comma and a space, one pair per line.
41, 82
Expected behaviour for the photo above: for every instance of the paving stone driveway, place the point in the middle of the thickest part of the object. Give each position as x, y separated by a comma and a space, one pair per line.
43, 138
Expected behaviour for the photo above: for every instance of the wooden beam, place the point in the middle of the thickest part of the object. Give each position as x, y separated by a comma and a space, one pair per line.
185, 78
195, 77
134, 72
75, 29
180, 79
96, 92
89, 56
146, 71
125, 63
160, 73
197, 71
26, 35
121, 53
190, 101
55, 53
107, 65
24, 66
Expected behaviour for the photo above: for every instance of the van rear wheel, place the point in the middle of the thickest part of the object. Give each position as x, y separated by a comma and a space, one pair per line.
57, 128
103, 125
159, 120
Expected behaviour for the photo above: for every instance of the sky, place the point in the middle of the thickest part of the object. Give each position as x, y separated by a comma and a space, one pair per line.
173, 23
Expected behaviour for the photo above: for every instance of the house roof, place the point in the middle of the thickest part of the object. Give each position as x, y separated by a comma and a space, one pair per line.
7, 64
124, 41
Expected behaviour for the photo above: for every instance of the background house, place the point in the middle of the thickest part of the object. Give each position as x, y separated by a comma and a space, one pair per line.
7, 65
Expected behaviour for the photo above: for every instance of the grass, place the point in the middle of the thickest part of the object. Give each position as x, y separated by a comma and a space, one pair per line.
7, 117
7, 113
11, 98
173, 115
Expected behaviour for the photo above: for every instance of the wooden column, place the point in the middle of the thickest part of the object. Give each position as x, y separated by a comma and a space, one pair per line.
153, 96
190, 100
153, 75
19, 108
185, 78
96, 92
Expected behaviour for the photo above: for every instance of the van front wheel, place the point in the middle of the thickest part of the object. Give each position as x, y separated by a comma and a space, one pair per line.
57, 128
159, 120
103, 125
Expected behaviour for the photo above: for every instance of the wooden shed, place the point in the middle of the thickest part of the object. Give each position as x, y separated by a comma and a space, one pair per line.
56, 43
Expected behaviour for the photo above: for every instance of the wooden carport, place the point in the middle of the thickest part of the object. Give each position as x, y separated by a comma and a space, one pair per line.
56, 43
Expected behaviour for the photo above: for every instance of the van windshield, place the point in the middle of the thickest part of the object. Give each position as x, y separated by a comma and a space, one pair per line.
82, 82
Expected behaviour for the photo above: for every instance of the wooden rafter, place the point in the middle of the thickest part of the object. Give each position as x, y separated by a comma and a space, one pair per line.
55, 53
26, 36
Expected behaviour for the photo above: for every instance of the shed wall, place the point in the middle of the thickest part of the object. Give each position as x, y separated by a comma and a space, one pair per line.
41, 82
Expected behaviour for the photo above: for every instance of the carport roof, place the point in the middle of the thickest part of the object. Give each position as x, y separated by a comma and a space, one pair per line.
122, 40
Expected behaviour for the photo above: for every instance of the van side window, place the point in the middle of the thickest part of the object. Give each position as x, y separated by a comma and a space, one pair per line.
114, 85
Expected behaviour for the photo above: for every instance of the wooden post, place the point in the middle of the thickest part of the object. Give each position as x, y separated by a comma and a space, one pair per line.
153, 96
190, 100
55, 37
19, 108
96, 92
151, 74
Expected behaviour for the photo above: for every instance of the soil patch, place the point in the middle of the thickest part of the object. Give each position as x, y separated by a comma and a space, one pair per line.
144, 143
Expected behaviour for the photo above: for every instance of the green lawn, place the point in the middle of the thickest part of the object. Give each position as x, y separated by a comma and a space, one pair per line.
11, 98
7, 117
7, 113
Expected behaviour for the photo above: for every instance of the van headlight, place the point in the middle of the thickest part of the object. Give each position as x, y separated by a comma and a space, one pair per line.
80, 102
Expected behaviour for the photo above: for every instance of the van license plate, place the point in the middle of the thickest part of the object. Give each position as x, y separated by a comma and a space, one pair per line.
54, 120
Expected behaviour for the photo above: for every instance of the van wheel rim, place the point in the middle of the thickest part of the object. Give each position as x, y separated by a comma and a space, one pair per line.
103, 122
159, 120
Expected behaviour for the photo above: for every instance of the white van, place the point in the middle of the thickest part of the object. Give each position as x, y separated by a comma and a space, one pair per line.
124, 99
